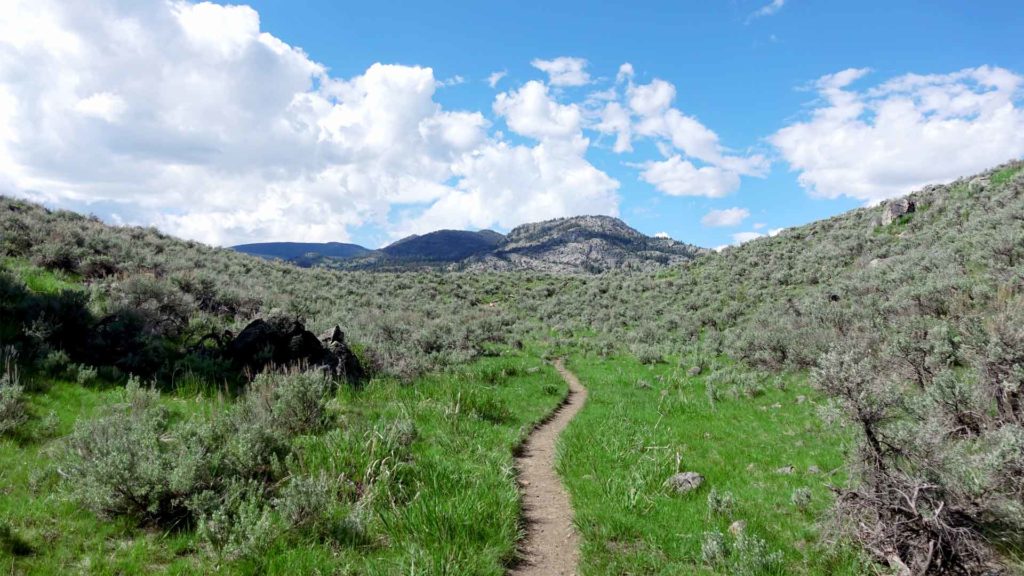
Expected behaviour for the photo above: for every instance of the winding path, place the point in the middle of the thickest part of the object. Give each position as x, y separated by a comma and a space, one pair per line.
551, 545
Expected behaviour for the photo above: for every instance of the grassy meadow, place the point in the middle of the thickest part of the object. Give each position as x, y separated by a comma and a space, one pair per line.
437, 453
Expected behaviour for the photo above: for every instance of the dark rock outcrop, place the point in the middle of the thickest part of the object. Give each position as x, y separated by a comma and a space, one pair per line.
280, 341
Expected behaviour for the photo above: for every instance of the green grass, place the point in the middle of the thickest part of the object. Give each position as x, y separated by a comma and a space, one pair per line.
447, 503
1005, 175
616, 455
41, 280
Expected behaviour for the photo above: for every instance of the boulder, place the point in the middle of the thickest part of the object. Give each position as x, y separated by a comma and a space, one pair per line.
897, 208
279, 341
344, 361
693, 371
684, 482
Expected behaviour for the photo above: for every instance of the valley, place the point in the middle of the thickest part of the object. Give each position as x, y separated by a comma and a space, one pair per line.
811, 379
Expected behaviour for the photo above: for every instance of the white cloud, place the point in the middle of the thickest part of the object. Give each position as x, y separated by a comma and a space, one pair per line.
905, 133
647, 112
625, 73
651, 99
743, 237
531, 111
564, 71
495, 77
453, 81
508, 185
726, 217
678, 177
767, 10
616, 120
189, 117
662, 235
104, 105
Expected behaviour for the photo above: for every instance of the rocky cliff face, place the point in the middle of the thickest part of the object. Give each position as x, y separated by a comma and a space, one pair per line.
582, 244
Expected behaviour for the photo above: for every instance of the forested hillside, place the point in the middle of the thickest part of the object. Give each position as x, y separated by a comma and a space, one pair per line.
906, 318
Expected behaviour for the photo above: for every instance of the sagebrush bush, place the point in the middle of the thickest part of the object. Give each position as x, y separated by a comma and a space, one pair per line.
12, 404
240, 523
13, 411
309, 503
712, 549
120, 464
720, 503
219, 471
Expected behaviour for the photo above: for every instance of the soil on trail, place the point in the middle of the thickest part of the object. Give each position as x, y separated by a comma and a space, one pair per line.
551, 545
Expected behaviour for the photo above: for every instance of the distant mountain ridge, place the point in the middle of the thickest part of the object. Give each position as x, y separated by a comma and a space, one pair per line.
294, 250
583, 244
580, 244
444, 245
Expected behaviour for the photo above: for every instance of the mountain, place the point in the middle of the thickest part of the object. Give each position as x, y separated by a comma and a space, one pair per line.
297, 251
582, 244
444, 245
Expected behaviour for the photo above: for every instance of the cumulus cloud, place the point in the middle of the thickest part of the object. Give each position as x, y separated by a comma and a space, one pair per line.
726, 217
678, 177
662, 235
508, 185
890, 139
190, 117
531, 111
564, 71
615, 119
646, 111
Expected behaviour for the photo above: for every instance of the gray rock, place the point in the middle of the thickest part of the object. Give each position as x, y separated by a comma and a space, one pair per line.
812, 469
896, 208
785, 470
737, 527
684, 482
693, 371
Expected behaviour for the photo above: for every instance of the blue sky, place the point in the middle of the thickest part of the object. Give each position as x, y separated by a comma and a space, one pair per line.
761, 102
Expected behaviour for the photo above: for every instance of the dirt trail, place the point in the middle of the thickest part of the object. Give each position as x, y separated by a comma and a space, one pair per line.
551, 545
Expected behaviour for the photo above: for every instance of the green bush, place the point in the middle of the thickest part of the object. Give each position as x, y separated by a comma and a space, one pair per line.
120, 464
240, 524
13, 412
219, 472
